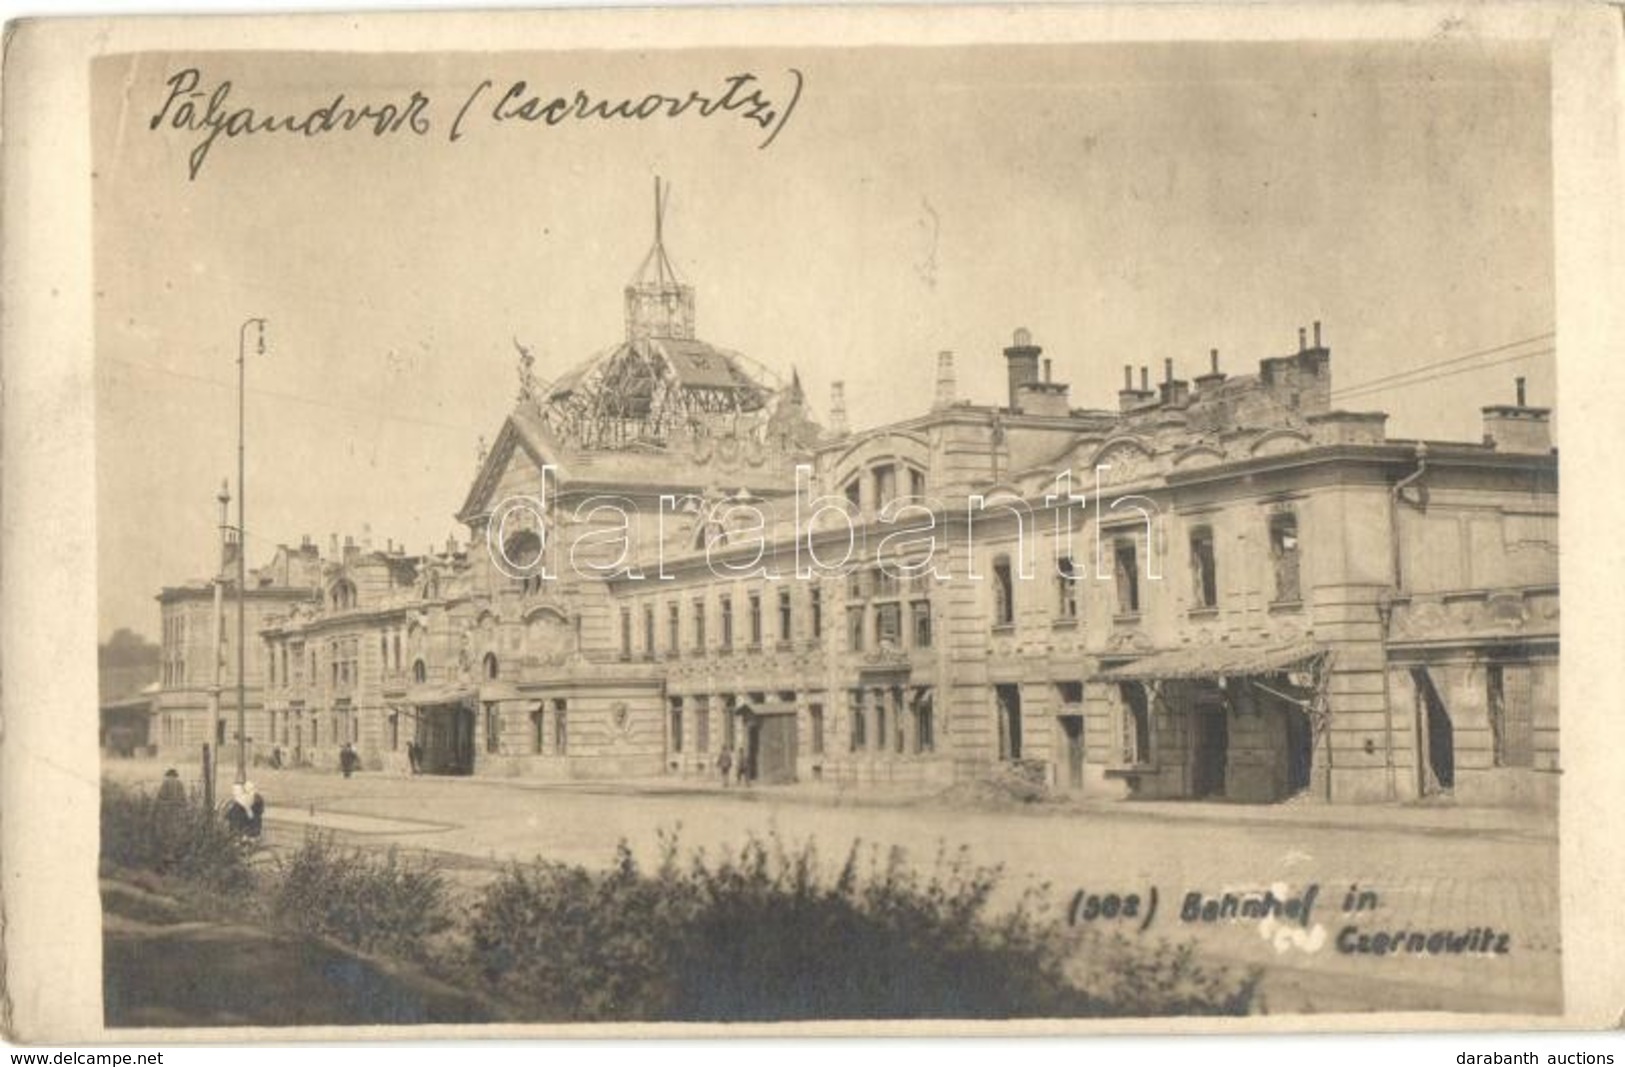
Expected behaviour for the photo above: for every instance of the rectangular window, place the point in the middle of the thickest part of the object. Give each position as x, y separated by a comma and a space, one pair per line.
648, 631
1004, 593
858, 733
699, 624
1204, 573
854, 629
561, 727
538, 731
1066, 589
916, 483
626, 633
817, 612
1136, 724
922, 623
702, 725
925, 740
885, 486
755, 603
1512, 722
493, 729
727, 624
1128, 577
786, 617
674, 629
889, 624
1071, 692
885, 582
1284, 557
815, 713
879, 704
677, 724
1007, 699
857, 585
729, 703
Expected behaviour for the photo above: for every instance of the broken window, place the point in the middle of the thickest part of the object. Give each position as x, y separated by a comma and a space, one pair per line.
1136, 724
1284, 557
1004, 593
1511, 719
1126, 563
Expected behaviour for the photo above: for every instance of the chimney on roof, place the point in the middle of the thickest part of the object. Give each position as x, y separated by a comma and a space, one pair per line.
945, 380
1317, 333
1145, 378
1214, 376
837, 408
1517, 427
1174, 391
1129, 397
1303, 340
332, 545
1021, 360
1039, 396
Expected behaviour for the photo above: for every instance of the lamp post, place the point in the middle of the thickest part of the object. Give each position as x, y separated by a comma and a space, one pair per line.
242, 550
219, 629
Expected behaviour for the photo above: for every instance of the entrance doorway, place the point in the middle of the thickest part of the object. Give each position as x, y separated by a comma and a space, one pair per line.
446, 735
1300, 750
1210, 748
1072, 730
772, 747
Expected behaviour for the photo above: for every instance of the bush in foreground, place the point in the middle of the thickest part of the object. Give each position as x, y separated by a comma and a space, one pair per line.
375, 902
176, 838
764, 933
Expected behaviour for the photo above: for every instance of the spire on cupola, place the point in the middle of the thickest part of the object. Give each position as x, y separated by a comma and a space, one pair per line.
657, 303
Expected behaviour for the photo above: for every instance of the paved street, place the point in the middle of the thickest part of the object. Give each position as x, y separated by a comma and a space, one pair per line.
1432, 870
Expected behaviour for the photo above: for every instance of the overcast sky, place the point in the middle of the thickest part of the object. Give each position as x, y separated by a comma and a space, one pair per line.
1124, 203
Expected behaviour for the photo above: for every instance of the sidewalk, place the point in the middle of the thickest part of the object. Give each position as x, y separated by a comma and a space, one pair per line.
1429, 818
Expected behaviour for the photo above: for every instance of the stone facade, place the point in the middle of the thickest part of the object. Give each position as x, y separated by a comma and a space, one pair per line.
1225, 588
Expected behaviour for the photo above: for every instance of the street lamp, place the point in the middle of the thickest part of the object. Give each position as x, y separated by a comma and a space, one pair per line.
242, 551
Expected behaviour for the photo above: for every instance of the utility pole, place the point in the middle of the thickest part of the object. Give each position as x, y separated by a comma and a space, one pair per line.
242, 551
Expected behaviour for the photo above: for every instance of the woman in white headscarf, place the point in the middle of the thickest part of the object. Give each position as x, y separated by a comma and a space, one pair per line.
254, 804
245, 810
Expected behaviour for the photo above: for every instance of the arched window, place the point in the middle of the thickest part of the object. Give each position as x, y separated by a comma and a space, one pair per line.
420, 673
490, 666
342, 596
1004, 592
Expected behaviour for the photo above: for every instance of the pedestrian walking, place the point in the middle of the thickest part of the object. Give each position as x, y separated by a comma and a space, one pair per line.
245, 811
170, 791
724, 764
414, 756
348, 760
741, 768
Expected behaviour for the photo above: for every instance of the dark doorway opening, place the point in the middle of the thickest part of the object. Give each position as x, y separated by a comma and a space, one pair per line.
1210, 748
772, 747
1300, 750
1437, 733
1072, 728
446, 736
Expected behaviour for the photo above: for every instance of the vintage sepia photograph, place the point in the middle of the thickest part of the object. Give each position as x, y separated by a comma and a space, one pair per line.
809, 534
